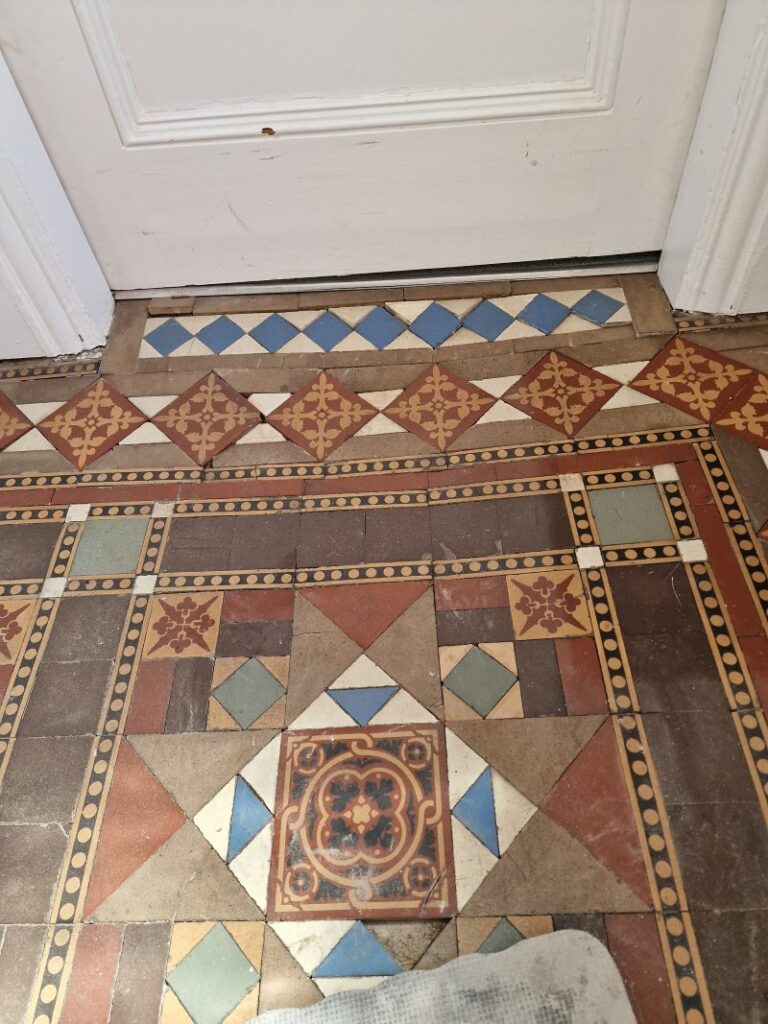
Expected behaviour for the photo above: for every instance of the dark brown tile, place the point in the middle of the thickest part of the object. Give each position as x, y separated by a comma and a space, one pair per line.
66, 699
331, 538
534, 524
654, 599
140, 973
734, 951
90, 625
199, 543
31, 856
674, 671
474, 626
25, 551
465, 529
43, 778
245, 639
593, 924
539, 676
399, 535
20, 948
265, 542
188, 704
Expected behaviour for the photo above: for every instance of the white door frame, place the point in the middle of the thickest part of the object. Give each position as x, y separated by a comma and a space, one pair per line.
715, 257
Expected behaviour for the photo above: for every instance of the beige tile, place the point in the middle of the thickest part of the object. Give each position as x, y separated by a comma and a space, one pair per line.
125, 335
275, 302
648, 305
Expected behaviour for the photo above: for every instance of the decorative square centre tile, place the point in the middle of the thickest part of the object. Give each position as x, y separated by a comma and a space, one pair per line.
183, 626
362, 827
548, 604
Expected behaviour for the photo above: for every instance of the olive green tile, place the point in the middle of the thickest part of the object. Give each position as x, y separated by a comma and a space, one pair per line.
630, 515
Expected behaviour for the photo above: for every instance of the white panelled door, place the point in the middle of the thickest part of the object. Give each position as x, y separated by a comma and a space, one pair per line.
207, 141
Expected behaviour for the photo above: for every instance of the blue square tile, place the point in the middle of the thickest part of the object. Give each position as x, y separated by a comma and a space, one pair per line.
596, 307
274, 332
488, 320
380, 327
544, 314
435, 324
168, 337
328, 330
220, 334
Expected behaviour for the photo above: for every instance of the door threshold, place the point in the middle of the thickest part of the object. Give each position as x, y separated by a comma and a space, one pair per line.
632, 263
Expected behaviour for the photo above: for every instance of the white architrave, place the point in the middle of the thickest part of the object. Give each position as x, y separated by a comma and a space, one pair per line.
715, 256
54, 298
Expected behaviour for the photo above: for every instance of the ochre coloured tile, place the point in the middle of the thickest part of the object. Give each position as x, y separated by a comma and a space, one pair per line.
283, 982
89, 991
634, 943
139, 818
15, 618
590, 800
364, 610
322, 415
91, 423
362, 825
692, 378
561, 392
13, 423
580, 675
548, 604
182, 625
207, 418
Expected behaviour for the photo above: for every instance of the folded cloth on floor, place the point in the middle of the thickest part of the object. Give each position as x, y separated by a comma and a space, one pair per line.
566, 977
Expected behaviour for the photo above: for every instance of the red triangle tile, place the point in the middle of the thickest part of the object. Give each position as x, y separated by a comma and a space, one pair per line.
590, 801
364, 610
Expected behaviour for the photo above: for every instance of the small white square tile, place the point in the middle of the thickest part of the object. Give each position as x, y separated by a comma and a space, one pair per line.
163, 509
78, 513
692, 550
589, 557
665, 473
53, 587
144, 584
571, 482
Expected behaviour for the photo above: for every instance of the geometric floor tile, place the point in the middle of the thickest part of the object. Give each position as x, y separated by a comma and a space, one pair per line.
248, 693
182, 626
321, 415
747, 413
362, 825
439, 406
548, 604
480, 682
13, 423
627, 515
15, 618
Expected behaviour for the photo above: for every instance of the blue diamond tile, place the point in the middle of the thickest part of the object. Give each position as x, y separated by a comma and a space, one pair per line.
488, 320
596, 307
358, 955
168, 337
362, 702
476, 811
544, 314
380, 327
249, 816
274, 332
328, 330
435, 324
220, 334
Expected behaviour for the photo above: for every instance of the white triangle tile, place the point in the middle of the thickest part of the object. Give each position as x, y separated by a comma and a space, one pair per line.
194, 323
301, 343
361, 673
196, 348
501, 412
147, 433
147, 351
380, 424
380, 399
573, 323
332, 986
245, 346
627, 397
267, 402
513, 810
569, 298
624, 373
354, 343
402, 707
407, 340
496, 386
408, 311
153, 322
214, 818
323, 713
460, 307
464, 766
310, 942
36, 411
247, 321
352, 315
150, 405
262, 433
261, 772
463, 336
32, 441
471, 861
301, 318
513, 304
251, 866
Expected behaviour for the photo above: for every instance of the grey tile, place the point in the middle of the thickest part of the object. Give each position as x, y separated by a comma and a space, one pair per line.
629, 515
43, 779
109, 546
31, 859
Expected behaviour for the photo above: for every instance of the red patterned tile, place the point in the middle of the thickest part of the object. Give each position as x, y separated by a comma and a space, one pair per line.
692, 378
321, 415
207, 418
13, 424
362, 827
561, 392
548, 604
747, 413
91, 423
183, 626
439, 406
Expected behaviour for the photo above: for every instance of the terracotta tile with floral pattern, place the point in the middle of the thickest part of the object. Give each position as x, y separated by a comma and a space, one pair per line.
13, 423
15, 616
747, 412
91, 423
322, 415
207, 418
183, 626
549, 604
561, 392
439, 406
692, 378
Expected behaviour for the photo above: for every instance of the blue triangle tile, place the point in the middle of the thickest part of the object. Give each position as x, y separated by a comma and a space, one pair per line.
358, 955
476, 811
362, 702
249, 816
435, 325
168, 337
274, 332
220, 334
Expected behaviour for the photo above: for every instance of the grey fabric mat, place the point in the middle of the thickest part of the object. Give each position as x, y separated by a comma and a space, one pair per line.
567, 977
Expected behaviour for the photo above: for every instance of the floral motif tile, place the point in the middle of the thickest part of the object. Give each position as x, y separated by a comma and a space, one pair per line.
362, 825
322, 415
692, 378
207, 418
747, 413
548, 605
183, 626
561, 392
439, 406
15, 616
13, 423
91, 423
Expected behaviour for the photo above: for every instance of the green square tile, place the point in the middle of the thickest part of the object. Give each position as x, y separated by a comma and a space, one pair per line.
480, 681
213, 977
630, 515
249, 692
502, 937
109, 546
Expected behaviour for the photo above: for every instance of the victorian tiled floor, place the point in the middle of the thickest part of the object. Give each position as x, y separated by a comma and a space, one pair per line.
288, 717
